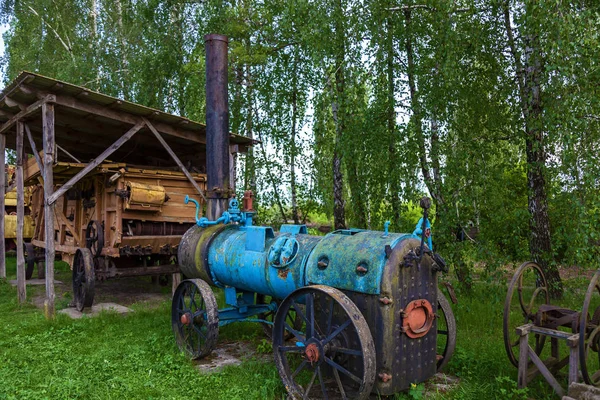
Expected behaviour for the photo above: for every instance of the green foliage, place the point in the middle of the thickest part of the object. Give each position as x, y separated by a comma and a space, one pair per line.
412, 99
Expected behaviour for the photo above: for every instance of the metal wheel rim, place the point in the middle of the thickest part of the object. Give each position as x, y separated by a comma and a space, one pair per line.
94, 237
83, 279
325, 340
198, 337
450, 333
584, 324
517, 280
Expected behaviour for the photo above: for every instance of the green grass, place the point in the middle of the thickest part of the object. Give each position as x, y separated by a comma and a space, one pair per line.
135, 357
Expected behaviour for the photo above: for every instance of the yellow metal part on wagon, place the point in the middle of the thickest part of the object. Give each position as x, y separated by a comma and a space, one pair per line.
143, 196
10, 227
10, 199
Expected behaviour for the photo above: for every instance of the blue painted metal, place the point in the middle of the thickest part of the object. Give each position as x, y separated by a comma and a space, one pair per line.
419, 231
258, 260
336, 259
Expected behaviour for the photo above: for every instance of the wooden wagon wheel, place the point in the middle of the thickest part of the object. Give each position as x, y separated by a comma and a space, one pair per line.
29, 259
195, 318
589, 329
335, 342
446, 331
526, 292
94, 237
84, 277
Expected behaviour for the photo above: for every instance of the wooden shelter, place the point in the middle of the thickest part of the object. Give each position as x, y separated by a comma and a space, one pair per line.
72, 133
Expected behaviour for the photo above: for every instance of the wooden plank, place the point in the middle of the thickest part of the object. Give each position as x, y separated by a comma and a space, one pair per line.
48, 132
523, 359
551, 332
60, 248
544, 371
34, 148
174, 157
69, 154
106, 153
2, 212
23, 114
126, 117
21, 289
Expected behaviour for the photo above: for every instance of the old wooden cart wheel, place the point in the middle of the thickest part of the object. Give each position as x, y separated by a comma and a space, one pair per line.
526, 292
94, 237
29, 260
293, 320
589, 329
446, 331
84, 277
332, 355
195, 318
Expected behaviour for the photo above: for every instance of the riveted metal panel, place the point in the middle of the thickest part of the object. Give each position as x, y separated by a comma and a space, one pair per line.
403, 359
345, 253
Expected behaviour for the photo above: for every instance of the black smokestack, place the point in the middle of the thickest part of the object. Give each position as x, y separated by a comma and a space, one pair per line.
217, 126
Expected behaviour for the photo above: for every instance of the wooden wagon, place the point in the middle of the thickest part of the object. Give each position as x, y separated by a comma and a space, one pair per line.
107, 180
118, 221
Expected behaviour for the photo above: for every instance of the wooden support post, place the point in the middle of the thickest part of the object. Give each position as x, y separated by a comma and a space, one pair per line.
2, 211
573, 343
21, 290
48, 131
176, 282
105, 154
523, 356
175, 158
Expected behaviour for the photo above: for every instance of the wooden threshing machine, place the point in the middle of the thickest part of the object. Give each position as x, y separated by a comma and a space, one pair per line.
103, 181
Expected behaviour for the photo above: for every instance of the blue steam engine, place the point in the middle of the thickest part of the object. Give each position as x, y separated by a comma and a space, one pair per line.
349, 313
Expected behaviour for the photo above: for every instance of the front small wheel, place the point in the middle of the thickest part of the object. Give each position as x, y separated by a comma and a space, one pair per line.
195, 318
334, 347
84, 277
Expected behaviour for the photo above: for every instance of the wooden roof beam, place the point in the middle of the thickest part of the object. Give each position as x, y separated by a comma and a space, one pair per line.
106, 111
25, 113
88, 168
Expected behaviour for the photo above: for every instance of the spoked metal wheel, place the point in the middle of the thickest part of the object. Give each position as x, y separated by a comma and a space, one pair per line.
332, 355
195, 318
29, 260
293, 319
446, 331
589, 329
94, 237
84, 277
526, 292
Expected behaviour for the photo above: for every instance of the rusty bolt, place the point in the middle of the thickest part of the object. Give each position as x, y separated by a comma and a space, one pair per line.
385, 377
361, 269
386, 300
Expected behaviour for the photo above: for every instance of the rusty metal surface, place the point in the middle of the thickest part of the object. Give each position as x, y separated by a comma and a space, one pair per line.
10, 227
404, 359
192, 254
143, 196
217, 125
417, 318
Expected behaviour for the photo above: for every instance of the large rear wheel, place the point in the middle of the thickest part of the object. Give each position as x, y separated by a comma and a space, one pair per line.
332, 355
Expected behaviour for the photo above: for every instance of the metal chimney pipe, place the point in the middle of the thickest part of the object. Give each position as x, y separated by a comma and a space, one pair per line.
217, 126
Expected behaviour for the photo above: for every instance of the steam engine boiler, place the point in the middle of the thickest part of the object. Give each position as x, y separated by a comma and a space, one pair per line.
349, 313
